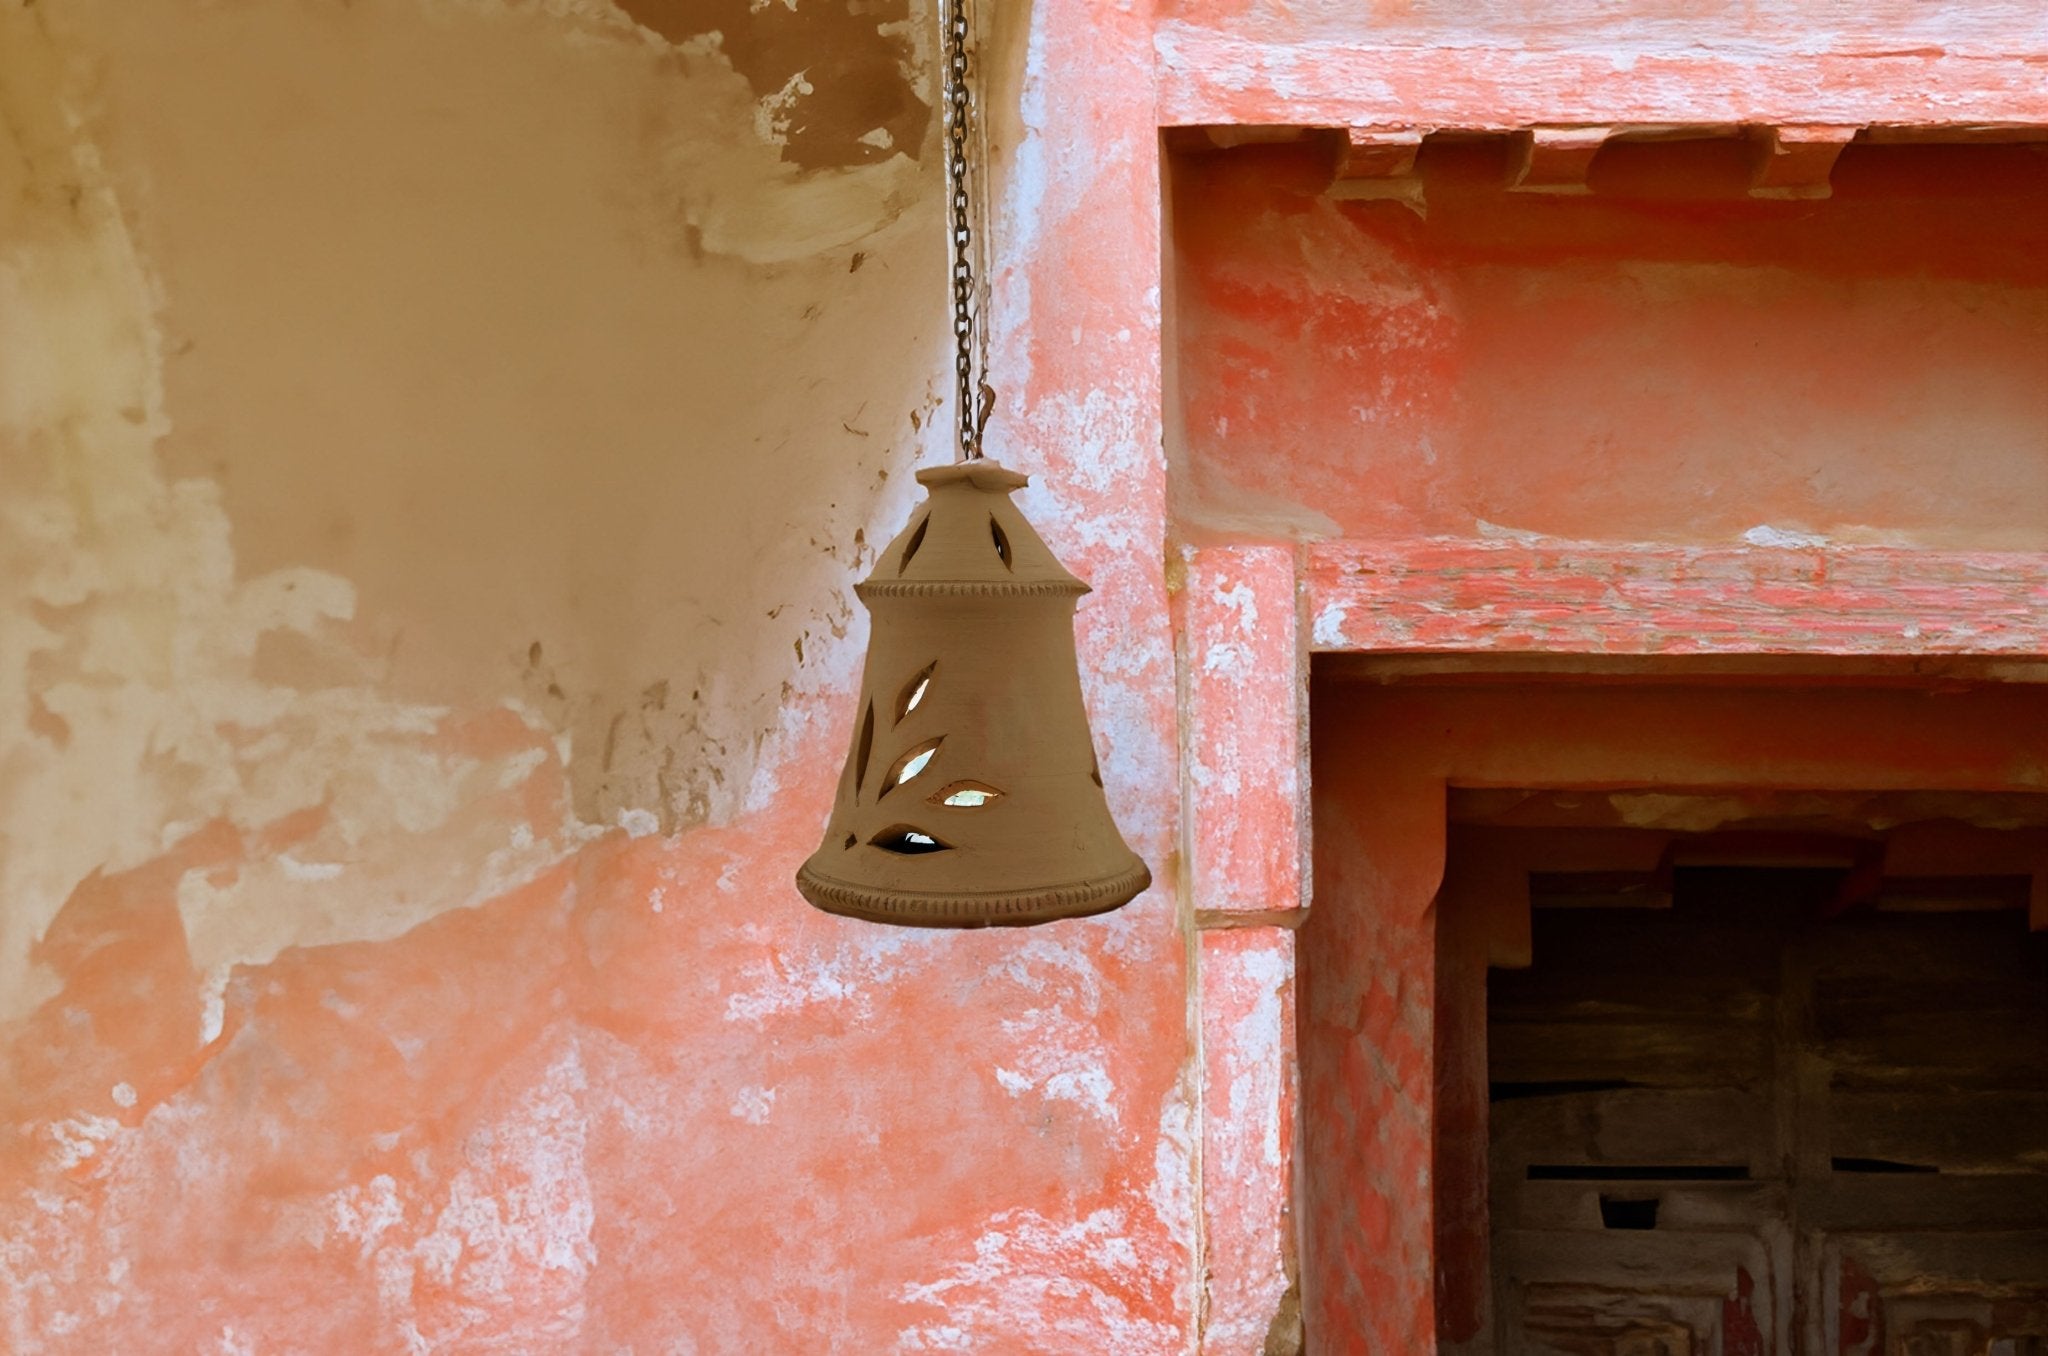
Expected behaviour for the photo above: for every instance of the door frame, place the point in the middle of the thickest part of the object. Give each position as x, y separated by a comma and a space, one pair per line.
1392, 1104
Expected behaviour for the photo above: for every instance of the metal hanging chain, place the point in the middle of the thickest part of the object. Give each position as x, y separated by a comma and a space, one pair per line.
976, 399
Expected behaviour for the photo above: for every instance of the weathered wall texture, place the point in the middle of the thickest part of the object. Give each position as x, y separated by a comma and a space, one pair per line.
1644, 411
436, 443
1662, 360
354, 385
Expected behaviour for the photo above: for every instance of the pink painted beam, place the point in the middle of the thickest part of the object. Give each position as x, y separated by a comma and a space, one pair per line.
1375, 154
1576, 598
1244, 673
1799, 161
1556, 159
1210, 77
1249, 1086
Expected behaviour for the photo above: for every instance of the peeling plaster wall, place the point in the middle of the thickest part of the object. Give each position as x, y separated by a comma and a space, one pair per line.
428, 394
437, 441
559, 278
339, 416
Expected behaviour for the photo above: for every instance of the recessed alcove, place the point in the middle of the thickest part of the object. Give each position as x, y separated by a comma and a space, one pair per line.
1769, 337
1694, 459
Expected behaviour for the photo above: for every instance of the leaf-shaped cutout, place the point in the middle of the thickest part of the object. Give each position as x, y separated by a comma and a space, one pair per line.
916, 540
1002, 541
968, 795
908, 842
912, 763
1095, 771
863, 747
914, 690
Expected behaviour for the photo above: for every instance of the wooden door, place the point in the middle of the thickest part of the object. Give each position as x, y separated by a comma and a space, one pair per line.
1733, 1127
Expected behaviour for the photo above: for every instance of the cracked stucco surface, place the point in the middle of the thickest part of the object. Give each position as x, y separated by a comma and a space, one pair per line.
437, 442
299, 496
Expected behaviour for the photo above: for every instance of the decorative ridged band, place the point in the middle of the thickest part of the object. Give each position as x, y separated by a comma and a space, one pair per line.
963, 588
912, 909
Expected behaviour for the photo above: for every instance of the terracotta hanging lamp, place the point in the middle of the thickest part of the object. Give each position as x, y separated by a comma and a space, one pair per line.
971, 796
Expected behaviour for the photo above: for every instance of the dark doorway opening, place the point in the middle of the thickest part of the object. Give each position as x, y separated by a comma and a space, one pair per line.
1744, 1110
1454, 809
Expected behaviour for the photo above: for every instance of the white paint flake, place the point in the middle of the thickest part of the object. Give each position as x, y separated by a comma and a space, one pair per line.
639, 823
1328, 630
752, 1104
774, 112
79, 1139
1783, 538
295, 869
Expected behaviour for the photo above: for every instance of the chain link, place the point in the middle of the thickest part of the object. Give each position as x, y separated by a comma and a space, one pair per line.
975, 398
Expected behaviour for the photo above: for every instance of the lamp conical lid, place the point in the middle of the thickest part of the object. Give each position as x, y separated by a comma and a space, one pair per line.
971, 796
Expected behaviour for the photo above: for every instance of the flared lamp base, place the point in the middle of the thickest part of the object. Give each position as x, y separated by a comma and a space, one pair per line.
914, 909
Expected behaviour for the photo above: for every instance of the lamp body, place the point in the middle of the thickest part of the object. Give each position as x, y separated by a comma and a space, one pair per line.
971, 796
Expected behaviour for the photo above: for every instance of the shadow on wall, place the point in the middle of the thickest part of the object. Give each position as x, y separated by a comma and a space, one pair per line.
393, 393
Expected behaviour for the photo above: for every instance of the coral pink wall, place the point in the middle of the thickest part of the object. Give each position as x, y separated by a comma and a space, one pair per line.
440, 441
437, 441
1664, 359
